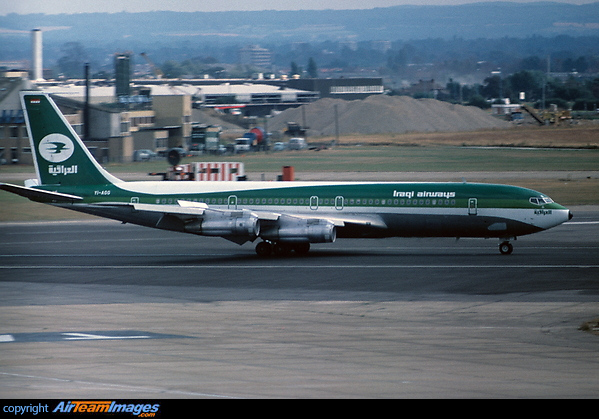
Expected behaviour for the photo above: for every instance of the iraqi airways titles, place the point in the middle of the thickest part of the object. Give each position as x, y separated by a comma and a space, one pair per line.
422, 194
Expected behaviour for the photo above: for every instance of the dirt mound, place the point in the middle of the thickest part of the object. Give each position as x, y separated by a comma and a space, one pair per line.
212, 117
382, 114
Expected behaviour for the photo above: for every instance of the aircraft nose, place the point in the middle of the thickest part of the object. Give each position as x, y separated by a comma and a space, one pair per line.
570, 215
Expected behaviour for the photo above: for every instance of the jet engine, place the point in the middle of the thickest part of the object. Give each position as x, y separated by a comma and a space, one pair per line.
298, 230
225, 224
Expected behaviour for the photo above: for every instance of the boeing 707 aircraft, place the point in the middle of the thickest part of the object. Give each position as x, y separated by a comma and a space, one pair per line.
283, 216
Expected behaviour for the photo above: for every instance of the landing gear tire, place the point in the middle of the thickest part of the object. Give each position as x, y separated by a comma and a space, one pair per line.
302, 248
506, 248
281, 249
264, 249
267, 249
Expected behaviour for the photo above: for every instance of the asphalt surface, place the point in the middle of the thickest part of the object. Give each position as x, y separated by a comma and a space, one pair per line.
100, 309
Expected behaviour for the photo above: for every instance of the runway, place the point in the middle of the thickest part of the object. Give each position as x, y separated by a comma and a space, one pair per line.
103, 310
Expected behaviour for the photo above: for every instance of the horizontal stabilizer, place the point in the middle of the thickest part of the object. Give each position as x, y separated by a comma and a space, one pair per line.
39, 194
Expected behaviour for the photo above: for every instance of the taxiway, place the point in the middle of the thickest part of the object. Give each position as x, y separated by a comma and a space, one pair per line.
100, 309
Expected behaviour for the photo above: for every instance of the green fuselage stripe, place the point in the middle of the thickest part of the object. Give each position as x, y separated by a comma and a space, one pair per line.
337, 195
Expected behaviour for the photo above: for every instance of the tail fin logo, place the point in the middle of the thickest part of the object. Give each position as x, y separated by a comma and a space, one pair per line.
56, 148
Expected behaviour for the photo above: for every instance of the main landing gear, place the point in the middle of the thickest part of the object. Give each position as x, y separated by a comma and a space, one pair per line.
266, 248
506, 248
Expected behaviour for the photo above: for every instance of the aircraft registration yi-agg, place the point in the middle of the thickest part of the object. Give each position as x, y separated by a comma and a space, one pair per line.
283, 216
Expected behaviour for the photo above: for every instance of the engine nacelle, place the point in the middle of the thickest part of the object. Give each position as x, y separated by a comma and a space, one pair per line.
296, 230
226, 224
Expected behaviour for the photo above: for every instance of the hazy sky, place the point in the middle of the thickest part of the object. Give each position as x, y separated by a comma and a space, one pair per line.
82, 6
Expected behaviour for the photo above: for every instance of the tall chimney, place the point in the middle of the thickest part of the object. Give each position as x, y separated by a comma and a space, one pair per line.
36, 44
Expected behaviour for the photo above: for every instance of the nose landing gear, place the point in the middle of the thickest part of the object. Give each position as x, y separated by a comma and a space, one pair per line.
506, 248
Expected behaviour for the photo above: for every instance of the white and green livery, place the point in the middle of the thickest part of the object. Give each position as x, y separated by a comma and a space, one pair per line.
283, 216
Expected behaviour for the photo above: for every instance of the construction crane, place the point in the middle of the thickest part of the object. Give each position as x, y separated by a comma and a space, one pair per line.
157, 72
553, 116
533, 113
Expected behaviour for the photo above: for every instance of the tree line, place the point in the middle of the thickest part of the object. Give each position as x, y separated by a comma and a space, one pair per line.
506, 67
536, 87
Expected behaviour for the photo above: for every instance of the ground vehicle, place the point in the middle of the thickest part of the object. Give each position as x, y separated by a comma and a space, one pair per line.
243, 145
279, 146
253, 140
297, 143
143, 155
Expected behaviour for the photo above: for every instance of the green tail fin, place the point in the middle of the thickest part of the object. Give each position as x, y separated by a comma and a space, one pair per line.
60, 156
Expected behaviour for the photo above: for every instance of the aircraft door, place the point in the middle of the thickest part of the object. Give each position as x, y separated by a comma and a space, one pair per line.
339, 203
232, 202
472, 206
313, 202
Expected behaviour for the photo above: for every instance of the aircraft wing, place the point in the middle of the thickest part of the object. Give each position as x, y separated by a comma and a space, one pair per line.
188, 210
342, 220
183, 212
39, 195
338, 221
242, 225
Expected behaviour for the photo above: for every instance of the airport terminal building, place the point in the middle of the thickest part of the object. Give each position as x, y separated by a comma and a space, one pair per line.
157, 114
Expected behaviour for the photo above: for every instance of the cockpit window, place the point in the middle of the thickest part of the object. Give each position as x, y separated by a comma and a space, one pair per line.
541, 200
